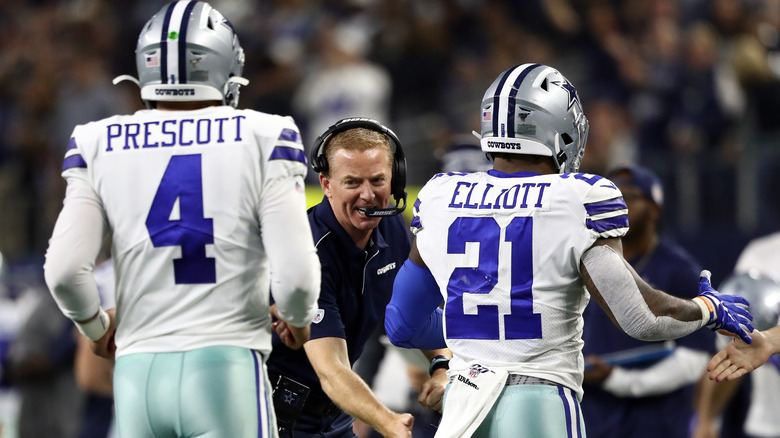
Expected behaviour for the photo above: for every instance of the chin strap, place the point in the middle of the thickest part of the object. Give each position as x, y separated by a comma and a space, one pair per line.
229, 98
560, 155
122, 78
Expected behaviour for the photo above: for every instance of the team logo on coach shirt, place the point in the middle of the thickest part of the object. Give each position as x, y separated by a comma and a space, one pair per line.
318, 317
384, 269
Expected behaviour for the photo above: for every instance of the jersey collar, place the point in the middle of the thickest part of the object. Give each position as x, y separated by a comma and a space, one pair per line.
498, 174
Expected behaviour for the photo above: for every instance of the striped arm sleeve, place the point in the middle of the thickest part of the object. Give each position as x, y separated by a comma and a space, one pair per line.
289, 146
73, 158
606, 211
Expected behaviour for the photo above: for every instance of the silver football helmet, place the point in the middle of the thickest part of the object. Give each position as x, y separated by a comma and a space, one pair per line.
188, 51
533, 109
762, 292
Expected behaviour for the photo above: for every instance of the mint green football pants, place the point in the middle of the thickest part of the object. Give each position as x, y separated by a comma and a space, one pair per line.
209, 392
539, 411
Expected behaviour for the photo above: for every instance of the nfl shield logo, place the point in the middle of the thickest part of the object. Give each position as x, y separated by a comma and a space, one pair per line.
318, 317
476, 370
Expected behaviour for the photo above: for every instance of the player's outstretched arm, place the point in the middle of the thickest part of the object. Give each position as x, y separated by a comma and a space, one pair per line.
649, 314
739, 358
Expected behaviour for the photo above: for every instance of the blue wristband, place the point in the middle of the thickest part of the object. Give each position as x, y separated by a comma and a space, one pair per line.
439, 362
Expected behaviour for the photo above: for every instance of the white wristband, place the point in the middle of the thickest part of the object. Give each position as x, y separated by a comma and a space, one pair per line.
96, 327
706, 315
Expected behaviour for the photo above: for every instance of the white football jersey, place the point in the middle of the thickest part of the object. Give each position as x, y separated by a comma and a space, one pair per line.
182, 192
505, 252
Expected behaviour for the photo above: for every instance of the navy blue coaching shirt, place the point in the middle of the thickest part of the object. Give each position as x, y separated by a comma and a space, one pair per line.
670, 269
357, 284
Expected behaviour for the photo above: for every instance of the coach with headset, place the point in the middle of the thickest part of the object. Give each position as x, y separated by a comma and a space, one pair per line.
362, 241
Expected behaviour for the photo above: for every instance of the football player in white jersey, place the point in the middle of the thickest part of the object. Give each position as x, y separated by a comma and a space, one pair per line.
206, 209
515, 254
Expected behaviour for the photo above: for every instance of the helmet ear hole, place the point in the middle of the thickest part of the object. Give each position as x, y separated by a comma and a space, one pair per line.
210, 24
544, 85
567, 138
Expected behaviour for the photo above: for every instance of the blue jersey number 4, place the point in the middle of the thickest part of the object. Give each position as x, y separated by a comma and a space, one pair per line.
182, 183
521, 322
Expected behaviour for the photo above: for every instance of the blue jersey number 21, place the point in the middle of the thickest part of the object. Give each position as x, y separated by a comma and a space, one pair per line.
521, 322
183, 182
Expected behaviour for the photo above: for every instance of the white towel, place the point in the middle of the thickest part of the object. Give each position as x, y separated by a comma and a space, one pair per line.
470, 397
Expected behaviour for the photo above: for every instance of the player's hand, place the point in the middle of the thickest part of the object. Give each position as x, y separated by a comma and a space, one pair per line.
293, 337
105, 346
432, 392
739, 358
727, 312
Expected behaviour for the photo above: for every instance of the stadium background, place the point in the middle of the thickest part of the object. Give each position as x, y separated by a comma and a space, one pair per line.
689, 88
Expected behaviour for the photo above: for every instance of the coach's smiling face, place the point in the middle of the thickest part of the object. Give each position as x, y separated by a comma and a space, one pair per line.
358, 179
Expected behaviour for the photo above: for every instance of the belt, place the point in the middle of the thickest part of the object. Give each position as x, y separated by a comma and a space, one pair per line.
519, 379
315, 404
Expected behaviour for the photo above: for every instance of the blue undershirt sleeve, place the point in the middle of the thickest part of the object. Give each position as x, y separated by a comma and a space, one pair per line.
413, 318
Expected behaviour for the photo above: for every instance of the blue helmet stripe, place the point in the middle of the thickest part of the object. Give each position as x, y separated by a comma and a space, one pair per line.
185, 21
496, 99
164, 45
510, 119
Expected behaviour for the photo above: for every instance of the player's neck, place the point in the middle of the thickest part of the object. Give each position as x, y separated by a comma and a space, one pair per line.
186, 106
507, 163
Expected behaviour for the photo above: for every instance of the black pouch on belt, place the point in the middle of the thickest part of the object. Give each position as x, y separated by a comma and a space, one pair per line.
289, 397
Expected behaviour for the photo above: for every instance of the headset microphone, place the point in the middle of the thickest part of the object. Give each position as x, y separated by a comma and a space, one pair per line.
390, 211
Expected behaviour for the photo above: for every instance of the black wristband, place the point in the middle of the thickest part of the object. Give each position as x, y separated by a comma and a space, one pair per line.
439, 362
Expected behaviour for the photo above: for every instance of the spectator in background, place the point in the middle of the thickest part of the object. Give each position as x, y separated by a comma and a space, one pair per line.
342, 82
610, 140
40, 366
637, 389
15, 310
464, 155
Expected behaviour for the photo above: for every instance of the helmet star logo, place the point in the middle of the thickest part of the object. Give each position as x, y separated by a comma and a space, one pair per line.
569, 88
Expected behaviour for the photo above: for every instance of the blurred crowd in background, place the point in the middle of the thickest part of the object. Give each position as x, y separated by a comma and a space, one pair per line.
688, 88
